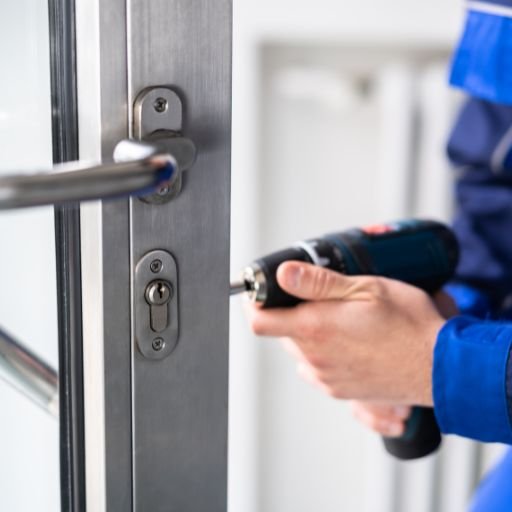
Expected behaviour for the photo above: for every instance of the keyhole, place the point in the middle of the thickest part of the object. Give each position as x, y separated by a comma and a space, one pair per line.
158, 293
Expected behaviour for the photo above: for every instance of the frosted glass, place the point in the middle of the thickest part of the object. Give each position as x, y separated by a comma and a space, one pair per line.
29, 443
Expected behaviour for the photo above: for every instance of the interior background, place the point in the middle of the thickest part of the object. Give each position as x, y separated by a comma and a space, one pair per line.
341, 112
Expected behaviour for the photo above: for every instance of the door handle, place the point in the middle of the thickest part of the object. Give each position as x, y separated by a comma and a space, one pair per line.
28, 373
139, 168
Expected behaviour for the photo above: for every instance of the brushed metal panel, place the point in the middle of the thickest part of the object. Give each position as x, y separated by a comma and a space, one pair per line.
103, 122
180, 403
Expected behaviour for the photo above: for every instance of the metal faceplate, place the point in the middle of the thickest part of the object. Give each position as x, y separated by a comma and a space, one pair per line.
179, 414
158, 117
156, 108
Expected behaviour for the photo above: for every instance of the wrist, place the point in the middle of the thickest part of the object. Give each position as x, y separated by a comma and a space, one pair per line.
425, 395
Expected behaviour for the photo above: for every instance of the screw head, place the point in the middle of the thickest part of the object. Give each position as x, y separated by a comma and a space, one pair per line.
156, 266
164, 190
158, 344
160, 105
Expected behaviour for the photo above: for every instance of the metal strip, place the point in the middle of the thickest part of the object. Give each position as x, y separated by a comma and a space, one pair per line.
94, 359
89, 109
180, 402
67, 242
102, 87
69, 296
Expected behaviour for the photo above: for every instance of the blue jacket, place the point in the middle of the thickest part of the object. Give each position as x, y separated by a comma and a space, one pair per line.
472, 364
472, 374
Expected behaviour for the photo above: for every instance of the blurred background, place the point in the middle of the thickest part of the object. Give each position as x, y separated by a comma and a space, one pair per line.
341, 113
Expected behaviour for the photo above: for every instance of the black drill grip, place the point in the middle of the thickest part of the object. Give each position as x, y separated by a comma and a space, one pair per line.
421, 438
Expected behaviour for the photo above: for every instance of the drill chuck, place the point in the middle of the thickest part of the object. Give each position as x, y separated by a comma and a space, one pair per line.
421, 253
253, 282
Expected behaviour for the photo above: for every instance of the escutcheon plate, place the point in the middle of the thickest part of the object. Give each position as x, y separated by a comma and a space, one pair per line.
155, 265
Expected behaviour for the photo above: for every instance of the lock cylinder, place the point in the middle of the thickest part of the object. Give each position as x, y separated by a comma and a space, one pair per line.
158, 295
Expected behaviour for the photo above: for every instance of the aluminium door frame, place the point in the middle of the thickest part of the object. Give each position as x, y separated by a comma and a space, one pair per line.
61, 17
156, 431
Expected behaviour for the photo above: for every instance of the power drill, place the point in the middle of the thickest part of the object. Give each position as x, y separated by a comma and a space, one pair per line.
422, 253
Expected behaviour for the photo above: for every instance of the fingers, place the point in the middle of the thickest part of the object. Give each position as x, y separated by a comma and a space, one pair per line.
309, 282
318, 287
309, 321
279, 323
387, 420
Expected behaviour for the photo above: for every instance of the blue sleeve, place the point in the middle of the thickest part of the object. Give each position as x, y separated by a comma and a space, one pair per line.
509, 385
472, 376
470, 379
483, 218
469, 300
495, 492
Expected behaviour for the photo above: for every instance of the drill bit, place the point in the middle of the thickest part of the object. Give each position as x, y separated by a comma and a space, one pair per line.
238, 287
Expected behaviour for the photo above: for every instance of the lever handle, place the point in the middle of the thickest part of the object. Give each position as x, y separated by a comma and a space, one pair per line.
28, 373
139, 168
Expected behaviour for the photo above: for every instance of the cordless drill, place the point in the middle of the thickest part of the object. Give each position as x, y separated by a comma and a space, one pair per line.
421, 253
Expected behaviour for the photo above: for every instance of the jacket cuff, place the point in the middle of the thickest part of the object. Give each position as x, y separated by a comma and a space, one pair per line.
469, 300
470, 379
509, 385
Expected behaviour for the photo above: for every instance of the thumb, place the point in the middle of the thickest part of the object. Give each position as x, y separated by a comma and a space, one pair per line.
309, 282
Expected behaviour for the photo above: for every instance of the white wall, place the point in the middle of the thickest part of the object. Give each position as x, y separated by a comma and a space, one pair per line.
29, 445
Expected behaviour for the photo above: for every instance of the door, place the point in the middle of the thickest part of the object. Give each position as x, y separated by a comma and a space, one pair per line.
140, 249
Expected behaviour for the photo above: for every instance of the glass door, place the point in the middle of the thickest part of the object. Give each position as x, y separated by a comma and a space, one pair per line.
115, 267
29, 430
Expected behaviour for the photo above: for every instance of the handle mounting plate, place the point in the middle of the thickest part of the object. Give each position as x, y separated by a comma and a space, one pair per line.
158, 113
155, 109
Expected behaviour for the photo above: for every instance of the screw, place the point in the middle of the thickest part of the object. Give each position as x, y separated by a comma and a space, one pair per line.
160, 105
156, 266
163, 191
158, 344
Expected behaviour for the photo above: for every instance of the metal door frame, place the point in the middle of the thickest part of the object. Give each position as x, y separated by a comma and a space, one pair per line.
67, 244
156, 432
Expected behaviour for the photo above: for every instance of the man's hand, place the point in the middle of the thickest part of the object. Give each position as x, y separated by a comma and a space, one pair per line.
388, 420
365, 338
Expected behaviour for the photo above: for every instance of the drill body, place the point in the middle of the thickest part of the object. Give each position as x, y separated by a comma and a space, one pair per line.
421, 253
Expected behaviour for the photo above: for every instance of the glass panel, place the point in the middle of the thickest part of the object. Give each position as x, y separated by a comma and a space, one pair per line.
29, 464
